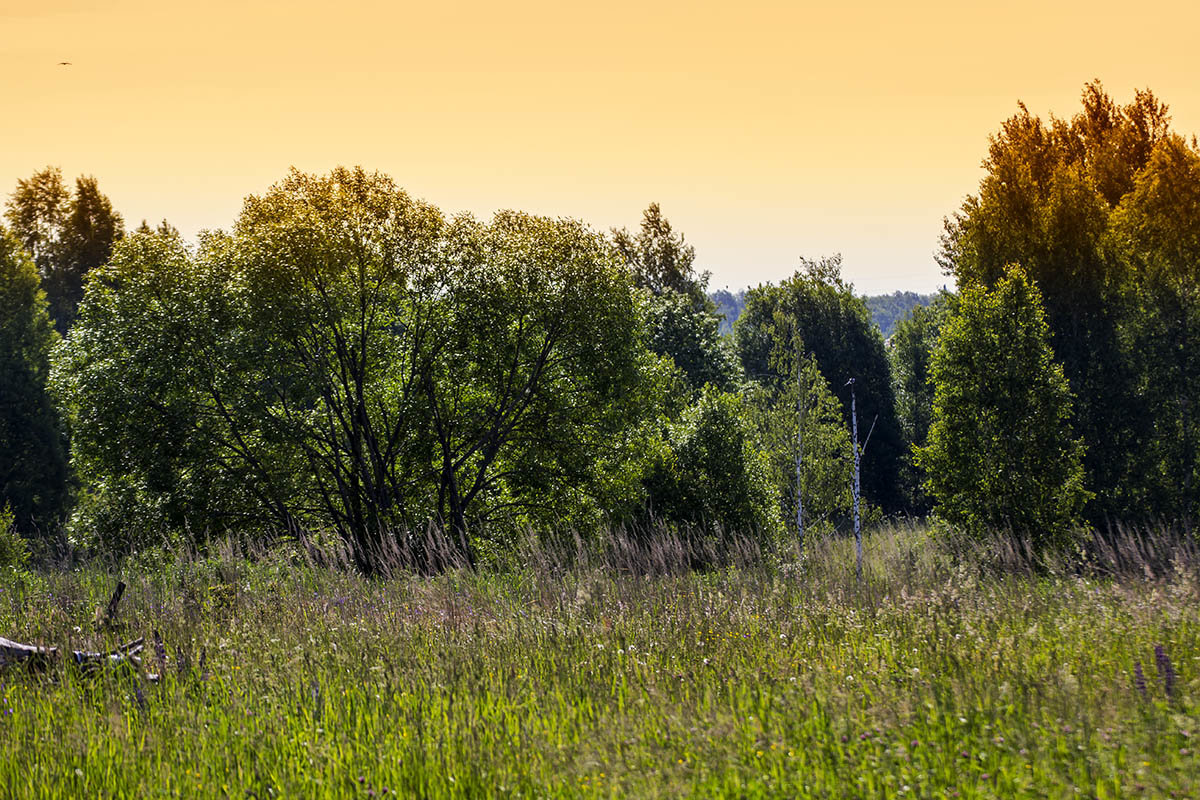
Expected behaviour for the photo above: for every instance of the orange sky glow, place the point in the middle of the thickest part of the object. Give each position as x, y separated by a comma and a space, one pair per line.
766, 130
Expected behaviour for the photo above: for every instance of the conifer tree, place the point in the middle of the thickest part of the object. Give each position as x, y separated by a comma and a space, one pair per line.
33, 464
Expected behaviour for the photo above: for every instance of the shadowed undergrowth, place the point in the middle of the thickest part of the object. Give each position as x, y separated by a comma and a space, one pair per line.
967, 672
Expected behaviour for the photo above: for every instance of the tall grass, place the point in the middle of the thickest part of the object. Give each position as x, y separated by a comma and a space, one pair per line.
965, 670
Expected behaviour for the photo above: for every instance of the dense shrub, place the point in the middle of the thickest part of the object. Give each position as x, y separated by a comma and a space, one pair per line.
712, 474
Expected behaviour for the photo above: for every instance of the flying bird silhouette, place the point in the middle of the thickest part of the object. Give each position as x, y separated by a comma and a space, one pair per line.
64, 63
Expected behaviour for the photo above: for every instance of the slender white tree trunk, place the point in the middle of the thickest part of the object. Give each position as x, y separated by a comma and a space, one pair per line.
800, 403
854, 443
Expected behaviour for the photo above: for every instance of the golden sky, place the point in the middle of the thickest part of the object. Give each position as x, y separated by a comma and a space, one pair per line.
766, 130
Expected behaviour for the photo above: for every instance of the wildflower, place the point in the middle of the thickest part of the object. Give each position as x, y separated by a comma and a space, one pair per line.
1139, 679
1166, 672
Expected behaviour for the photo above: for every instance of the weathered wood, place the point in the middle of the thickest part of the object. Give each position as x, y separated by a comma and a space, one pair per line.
124, 651
15, 652
38, 657
108, 617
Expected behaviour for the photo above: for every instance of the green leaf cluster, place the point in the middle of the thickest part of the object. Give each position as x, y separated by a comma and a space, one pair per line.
68, 234
1000, 452
1157, 227
910, 353
816, 313
712, 475
33, 463
802, 419
349, 359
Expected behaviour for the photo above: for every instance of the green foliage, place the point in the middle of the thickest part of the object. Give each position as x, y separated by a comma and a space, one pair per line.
33, 463
1001, 455
1158, 229
543, 375
660, 259
888, 310
691, 338
131, 376
826, 474
681, 321
14, 550
712, 474
833, 326
349, 359
910, 351
67, 235
1045, 203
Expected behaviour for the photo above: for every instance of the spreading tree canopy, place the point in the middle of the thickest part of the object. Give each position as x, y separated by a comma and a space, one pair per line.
349, 359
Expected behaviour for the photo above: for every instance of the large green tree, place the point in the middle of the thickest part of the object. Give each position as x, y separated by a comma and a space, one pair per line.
681, 321
1000, 453
1158, 229
832, 325
1045, 201
33, 464
68, 234
349, 359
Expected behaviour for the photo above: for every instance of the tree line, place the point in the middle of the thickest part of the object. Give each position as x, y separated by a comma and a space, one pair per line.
349, 361
886, 309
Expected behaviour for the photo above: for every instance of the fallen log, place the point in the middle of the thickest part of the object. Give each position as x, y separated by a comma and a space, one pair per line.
35, 656
39, 658
15, 652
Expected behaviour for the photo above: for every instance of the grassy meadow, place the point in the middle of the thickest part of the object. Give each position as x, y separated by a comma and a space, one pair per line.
941, 675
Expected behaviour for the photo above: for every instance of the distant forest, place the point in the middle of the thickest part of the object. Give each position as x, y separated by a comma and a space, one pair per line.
886, 309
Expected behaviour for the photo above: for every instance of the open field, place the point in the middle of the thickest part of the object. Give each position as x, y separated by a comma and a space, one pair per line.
933, 678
